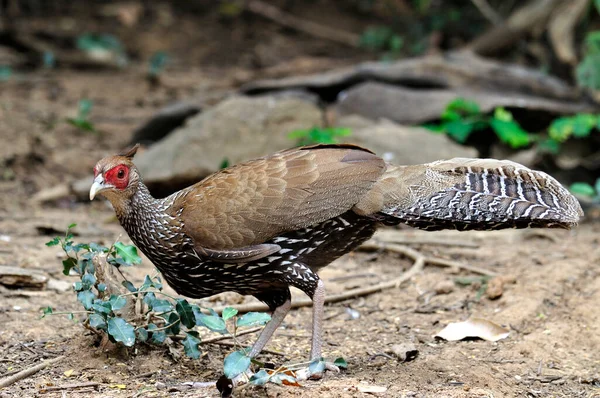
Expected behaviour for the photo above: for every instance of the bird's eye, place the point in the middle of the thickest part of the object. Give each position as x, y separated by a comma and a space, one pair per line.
121, 173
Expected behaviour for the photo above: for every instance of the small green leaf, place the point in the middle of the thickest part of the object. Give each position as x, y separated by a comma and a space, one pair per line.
160, 305
141, 334
88, 281
229, 313
83, 125
46, 311
253, 318
236, 363
341, 363
260, 378
86, 297
186, 314
117, 302
121, 331
583, 124
175, 323
53, 242
461, 107
549, 145
597, 187
510, 133
128, 253
212, 322
78, 286
69, 264
129, 286
224, 164
460, 130
191, 346
561, 129
583, 189
157, 337
101, 306
97, 321
101, 287
502, 114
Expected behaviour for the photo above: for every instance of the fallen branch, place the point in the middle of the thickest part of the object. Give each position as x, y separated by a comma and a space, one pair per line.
419, 263
520, 23
487, 11
232, 344
283, 18
394, 248
28, 372
71, 386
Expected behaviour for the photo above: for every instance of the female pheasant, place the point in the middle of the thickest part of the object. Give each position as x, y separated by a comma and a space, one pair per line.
259, 227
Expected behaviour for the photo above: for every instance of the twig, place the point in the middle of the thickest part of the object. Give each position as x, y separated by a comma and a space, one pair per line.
71, 386
28, 372
488, 12
283, 18
392, 236
231, 344
219, 338
371, 245
419, 263
363, 291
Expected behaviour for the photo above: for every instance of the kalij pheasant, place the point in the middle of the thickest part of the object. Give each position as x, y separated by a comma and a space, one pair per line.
259, 227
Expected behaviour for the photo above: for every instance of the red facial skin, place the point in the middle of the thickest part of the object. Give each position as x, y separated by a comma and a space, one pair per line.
117, 176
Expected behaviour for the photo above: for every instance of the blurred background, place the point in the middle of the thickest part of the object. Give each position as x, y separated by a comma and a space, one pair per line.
414, 80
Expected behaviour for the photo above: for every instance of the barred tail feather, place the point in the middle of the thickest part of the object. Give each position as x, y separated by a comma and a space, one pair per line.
480, 194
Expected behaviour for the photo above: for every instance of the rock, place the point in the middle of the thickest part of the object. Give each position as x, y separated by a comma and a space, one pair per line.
164, 121
58, 285
449, 70
16, 277
495, 288
237, 129
405, 352
402, 144
415, 106
444, 287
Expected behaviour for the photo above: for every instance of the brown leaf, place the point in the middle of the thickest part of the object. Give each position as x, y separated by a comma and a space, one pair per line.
474, 327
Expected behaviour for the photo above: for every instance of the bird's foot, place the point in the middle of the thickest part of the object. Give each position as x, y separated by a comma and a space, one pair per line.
316, 370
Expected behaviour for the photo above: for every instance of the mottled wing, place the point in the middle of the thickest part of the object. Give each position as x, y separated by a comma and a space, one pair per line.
250, 203
464, 194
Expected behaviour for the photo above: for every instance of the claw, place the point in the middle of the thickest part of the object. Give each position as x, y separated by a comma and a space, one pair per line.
305, 374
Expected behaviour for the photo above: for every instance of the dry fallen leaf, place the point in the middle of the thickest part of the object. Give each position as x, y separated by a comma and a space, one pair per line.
474, 327
371, 389
69, 372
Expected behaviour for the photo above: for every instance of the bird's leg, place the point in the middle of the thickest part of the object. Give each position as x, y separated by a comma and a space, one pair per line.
266, 334
276, 318
318, 299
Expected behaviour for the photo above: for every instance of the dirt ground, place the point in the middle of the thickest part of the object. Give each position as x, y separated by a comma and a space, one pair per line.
552, 310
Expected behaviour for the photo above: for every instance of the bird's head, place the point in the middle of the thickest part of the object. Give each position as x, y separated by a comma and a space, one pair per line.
116, 177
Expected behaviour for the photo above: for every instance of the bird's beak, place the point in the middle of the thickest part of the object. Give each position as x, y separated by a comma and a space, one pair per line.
97, 186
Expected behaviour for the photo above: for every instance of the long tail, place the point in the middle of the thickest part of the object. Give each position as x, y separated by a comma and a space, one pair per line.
470, 194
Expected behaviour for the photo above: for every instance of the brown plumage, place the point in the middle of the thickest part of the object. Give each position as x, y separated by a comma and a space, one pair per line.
265, 225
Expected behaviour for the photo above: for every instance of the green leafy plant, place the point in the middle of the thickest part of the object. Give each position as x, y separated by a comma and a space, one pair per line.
319, 135
382, 38
130, 315
157, 64
5, 73
462, 117
587, 190
81, 121
102, 46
